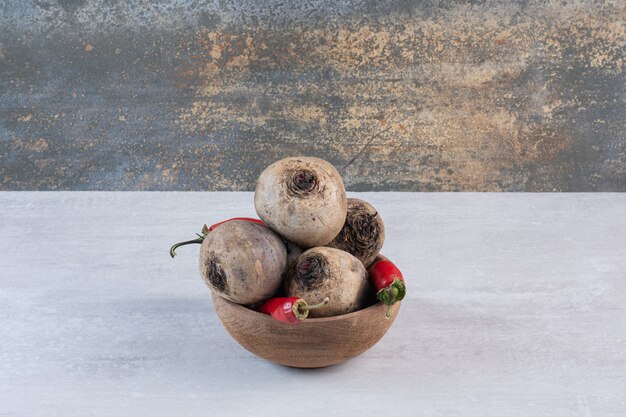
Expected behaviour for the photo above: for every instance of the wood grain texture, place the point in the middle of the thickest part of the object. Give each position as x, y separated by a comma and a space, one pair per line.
489, 95
514, 308
314, 343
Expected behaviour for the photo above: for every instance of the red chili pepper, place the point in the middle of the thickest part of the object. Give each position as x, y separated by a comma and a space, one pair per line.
389, 283
250, 219
289, 309
206, 230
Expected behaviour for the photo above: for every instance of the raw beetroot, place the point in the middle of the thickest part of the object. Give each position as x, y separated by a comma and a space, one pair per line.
327, 272
363, 232
243, 261
302, 199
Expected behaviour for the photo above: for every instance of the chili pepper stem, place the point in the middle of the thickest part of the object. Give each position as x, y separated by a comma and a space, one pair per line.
205, 232
187, 242
391, 294
200, 239
388, 312
314, 306
301, 309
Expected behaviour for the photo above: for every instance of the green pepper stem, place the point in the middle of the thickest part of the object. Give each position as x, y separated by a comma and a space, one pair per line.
388, 313
393, 297
314, 306
187, 242
200, 239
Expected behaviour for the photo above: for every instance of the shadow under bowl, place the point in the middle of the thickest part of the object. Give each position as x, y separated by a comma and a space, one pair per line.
314, 343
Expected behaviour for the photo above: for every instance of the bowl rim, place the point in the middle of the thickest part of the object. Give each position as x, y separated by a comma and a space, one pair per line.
312, 319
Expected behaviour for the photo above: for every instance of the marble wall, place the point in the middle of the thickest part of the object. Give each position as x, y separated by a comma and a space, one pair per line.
202, 95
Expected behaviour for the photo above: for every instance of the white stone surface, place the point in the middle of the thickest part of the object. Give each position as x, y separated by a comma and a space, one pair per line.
516, 307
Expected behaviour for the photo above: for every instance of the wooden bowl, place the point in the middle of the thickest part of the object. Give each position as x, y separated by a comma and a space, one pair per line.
314, 343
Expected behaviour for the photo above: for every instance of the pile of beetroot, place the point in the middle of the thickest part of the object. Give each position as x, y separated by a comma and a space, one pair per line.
314, 253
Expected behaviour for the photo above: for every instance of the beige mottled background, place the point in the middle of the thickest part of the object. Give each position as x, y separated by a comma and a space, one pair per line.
193, 95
